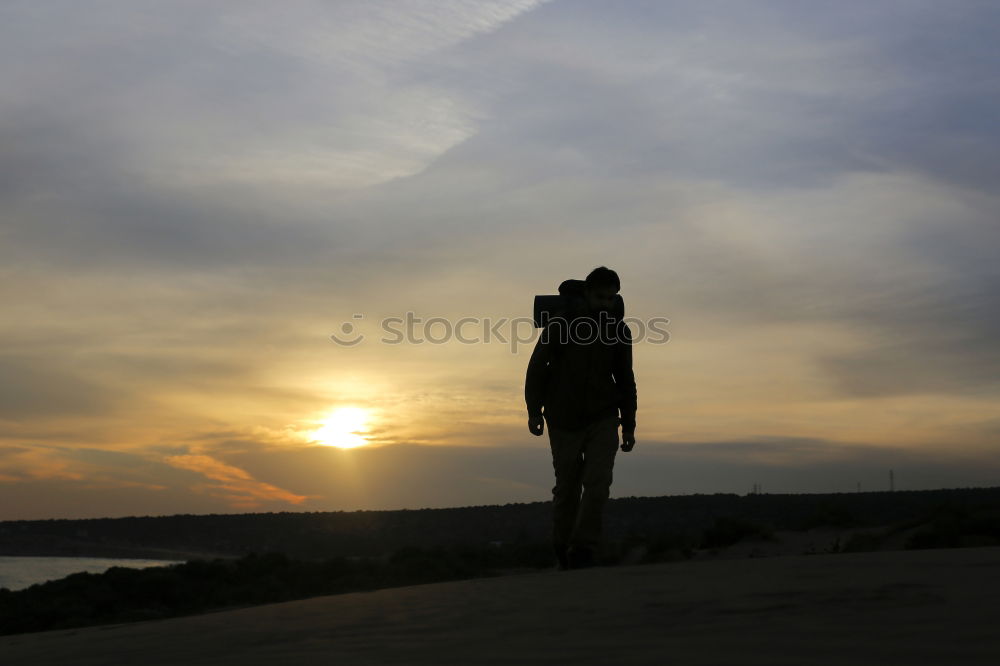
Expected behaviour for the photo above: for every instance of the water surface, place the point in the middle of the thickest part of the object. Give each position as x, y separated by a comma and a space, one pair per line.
17, 573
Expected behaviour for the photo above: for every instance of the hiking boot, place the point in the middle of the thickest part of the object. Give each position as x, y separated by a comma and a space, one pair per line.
580, 557
562, 558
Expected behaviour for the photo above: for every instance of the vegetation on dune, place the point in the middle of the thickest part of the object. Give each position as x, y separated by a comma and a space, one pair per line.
124, 595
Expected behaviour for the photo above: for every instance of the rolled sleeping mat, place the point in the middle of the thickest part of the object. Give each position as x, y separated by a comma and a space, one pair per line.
549, 306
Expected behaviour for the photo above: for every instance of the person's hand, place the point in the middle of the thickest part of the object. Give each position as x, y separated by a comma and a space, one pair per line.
628, 440
536, 424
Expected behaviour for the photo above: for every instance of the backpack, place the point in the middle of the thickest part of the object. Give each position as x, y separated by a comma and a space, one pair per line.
569, 301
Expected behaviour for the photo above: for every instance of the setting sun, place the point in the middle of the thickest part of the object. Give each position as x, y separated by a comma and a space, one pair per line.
343, 428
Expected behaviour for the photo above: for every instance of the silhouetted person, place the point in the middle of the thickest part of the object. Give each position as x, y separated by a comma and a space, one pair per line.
580, 382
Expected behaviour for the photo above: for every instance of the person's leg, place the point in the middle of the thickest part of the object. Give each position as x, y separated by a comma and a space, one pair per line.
599, 449
567, 461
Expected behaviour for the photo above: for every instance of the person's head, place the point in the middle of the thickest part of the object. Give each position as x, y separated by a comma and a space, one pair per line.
600, 288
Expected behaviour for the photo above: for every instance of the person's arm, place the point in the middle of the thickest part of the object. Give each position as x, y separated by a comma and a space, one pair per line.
536, 378
625, 378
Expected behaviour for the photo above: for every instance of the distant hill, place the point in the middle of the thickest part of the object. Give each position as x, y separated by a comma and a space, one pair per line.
320, 535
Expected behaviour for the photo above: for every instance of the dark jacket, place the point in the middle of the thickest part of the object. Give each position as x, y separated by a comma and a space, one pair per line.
573, 382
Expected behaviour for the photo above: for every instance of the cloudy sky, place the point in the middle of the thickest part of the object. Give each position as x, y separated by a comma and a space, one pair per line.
194, 197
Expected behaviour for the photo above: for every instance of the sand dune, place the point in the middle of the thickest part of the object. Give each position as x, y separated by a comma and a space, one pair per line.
912, 607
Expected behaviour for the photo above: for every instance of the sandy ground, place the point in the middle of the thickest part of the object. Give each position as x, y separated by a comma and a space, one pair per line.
909, 607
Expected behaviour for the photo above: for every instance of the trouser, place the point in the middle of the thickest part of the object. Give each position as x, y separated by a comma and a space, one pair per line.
583, 460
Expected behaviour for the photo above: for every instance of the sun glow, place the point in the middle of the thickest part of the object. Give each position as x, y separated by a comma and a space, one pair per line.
344, 428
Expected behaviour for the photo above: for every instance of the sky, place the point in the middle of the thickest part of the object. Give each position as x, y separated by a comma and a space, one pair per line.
198, 200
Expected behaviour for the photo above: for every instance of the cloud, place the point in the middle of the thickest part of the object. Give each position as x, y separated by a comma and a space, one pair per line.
762, 95
180, 138
19, 463
234, 484
35, 478
40, 387
173, 86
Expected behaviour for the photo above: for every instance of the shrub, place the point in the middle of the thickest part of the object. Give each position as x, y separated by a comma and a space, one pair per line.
727, 531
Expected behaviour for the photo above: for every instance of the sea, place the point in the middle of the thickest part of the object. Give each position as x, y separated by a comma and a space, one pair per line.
17, 573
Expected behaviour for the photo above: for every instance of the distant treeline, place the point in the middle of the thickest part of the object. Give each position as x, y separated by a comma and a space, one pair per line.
325, 535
